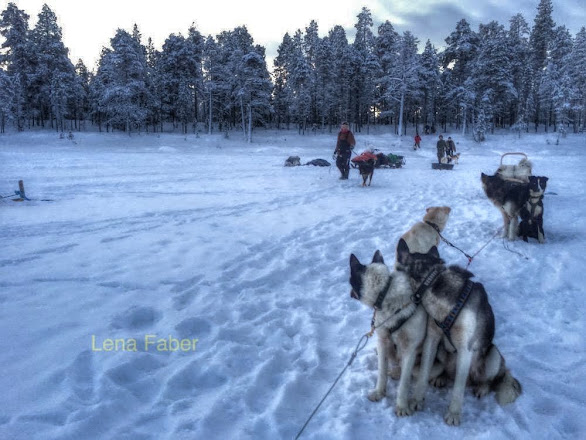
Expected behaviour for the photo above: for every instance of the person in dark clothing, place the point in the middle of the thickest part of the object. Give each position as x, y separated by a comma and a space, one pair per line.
343, 150
441, 148
450, 149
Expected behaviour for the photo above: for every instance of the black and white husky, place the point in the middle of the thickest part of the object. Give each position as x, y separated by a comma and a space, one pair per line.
532, 213
509, 197
462, 318
399, 322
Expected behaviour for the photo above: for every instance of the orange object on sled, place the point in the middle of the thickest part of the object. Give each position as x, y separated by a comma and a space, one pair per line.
364, 156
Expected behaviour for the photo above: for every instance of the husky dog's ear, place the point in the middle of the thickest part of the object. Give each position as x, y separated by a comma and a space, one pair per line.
378, 257
354, 263
402, 252
433, 252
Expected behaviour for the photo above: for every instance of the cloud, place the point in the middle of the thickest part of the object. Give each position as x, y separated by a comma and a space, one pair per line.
436, 19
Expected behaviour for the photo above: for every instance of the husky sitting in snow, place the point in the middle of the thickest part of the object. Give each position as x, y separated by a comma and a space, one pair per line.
532, 212
399, 323
425, 234
462, 319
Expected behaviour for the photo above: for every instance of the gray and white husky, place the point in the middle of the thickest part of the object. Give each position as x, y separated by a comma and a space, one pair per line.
399, 322
460, 316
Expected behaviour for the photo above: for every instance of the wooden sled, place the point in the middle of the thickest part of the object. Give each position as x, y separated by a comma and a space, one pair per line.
441, 166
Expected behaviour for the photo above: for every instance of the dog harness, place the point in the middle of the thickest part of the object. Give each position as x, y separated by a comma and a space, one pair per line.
417, 297
378, 306
381, 296
447, 323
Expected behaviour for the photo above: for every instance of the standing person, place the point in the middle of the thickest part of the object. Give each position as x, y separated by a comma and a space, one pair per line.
441, 148
450, 149
417, 141
343, 150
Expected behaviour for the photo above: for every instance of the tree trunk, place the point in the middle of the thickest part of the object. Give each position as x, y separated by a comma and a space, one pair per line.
242, 114
402, 105
249, 124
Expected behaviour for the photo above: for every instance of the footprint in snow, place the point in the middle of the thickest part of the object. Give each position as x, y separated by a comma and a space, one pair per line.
136, 317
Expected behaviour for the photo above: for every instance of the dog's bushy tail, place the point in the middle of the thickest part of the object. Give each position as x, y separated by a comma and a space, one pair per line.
507, 389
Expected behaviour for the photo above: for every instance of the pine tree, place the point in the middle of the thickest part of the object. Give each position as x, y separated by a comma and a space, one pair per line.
429, 81
459, 57
179, 68
518, 43
493, 72
53, 79
340, 82
282, 90
299, 83
367, 68
212, 71
402, 81
577, 72
16, 60
541, 35
120, 83
386, 47
311, 48
556, 87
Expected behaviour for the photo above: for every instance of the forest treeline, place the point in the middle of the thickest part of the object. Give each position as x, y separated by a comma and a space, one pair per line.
517, 76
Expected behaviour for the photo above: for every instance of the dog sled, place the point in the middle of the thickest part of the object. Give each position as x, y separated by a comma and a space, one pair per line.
519, 172
392, 160
379, 159
441, 166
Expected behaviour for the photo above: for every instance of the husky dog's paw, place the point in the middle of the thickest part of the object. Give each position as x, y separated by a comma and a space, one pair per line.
440, 381
481, 390
416, 405
452, 418
376, 395
402, 411
394, 372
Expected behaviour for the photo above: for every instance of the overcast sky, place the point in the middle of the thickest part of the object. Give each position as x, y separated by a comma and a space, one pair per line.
88, 26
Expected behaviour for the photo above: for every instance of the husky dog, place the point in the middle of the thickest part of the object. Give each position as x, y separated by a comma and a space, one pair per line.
455, 158
366, 169
465, 322
509, 197
398, 321
520, 172
293, 161
424, 234
532, 212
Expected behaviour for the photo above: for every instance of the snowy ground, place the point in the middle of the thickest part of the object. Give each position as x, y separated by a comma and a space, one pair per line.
212, 239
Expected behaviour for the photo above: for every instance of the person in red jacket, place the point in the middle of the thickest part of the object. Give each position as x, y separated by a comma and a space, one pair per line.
417, 141
343, 150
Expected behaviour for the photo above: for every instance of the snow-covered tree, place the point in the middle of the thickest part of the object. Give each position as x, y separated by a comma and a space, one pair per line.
178, 66
120, 83
541, 36
386, 47
429, 85
492, 71
518, 43
52, 81
367, 68
577, 72
15, 58
401, 83
459, 57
